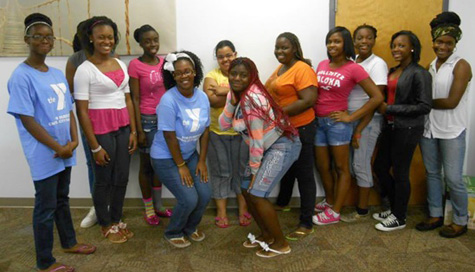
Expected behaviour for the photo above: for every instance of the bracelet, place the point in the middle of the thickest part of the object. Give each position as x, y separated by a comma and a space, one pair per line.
181, 164
357, 136
97, 149
134, 132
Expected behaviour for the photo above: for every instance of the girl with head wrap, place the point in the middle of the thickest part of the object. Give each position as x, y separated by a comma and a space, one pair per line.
443, 143
274, 146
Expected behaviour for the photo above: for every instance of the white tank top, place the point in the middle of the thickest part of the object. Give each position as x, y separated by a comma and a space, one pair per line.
445, 123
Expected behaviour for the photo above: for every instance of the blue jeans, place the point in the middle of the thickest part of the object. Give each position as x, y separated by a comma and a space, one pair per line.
360, 158
276, 161
191, 201
332, 133
52, 206
89, 161
447, 154
149, 126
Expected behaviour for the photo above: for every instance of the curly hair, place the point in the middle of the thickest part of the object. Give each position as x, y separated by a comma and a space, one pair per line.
168, 79
88, 28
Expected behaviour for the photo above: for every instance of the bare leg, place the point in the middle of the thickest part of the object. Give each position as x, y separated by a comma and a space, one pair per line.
323, 162
265, 234
340, 154
363, 197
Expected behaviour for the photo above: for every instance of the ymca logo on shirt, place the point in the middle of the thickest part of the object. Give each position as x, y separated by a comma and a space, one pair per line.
60, 90
194, 115
329, 79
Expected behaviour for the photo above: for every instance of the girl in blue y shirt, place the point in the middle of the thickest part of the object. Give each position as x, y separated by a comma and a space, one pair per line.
183, 120
42, 106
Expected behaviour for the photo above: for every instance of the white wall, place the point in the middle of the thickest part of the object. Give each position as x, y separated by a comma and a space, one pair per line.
465, 9
251, 25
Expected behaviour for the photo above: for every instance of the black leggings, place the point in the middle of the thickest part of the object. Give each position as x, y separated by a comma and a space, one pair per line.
396, 149
302, 170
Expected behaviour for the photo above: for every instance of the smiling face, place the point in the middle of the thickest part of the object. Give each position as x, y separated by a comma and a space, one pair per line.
239, 78
103, 39
335, 45
364, 41
284, 51
184, 74
40, 39
444, 46
150, 42
401, 48
225, 55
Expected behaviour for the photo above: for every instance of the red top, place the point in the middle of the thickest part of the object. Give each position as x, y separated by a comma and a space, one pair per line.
392, 84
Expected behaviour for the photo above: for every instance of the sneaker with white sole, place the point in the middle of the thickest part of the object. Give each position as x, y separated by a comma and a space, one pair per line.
90, 219
326, 217
322, 205
391, 223
353, 217
382, 215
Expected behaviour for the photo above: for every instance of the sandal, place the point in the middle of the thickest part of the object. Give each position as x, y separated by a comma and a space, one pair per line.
267, 252
164, 213
221, 222
80, 249
124, 230
197, 236
151, 220
250, 244
180, 242
298, 234
57, 267
114, 235
245, 219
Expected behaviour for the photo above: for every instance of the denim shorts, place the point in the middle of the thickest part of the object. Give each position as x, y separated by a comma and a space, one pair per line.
276, 161
332, 133
149, 126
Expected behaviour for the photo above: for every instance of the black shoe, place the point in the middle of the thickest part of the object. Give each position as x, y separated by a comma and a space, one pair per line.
425, 226
449, 231
391, 223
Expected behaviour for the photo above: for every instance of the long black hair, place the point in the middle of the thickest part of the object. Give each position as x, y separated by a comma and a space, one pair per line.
416, 44
348, 46
296, 44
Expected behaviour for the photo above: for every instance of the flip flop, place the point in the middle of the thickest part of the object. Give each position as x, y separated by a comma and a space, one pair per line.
249, 244
60, 268
298, 235
269, 252
80, 249
243, 217
179, 242
221, 222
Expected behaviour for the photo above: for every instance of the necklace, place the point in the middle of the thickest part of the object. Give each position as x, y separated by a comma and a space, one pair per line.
40, 68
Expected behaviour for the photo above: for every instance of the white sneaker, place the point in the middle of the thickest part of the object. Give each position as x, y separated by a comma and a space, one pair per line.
322, 205
90, 219
381, 216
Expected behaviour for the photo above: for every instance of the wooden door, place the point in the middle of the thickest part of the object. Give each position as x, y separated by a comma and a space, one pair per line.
389, 17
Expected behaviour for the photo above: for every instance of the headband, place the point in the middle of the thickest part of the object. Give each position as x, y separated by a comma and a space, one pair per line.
37, 23
96, 23
447, 29
171, 58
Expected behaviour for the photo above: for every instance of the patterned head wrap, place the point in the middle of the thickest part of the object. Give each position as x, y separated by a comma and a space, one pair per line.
447, 29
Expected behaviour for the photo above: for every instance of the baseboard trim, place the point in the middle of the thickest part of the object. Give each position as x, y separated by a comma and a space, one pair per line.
129, 202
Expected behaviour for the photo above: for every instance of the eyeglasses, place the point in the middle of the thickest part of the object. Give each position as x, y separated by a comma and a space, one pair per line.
228, 56
49, 38
183, 74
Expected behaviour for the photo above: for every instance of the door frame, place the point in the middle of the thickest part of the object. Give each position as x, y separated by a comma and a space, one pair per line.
334, 4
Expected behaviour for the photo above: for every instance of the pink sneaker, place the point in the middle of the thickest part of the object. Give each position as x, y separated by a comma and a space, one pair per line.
326, 217
165, 213
152, 220
321, 206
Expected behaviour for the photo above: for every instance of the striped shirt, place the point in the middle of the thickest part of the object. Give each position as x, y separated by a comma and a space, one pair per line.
262, 133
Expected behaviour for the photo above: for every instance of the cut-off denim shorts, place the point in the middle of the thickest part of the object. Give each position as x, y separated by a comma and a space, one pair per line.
276, 161
149, 126
332, 133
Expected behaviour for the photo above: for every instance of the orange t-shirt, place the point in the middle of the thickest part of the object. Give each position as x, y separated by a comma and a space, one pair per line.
284, 89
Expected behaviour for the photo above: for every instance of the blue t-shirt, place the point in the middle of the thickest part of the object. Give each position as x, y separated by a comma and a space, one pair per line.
44, 96
188, 117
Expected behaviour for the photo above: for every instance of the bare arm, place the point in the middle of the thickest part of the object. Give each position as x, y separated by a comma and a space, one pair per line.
306, 100
211, 87
70, 71
462, 75
201, 168
133, 128
134, 85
